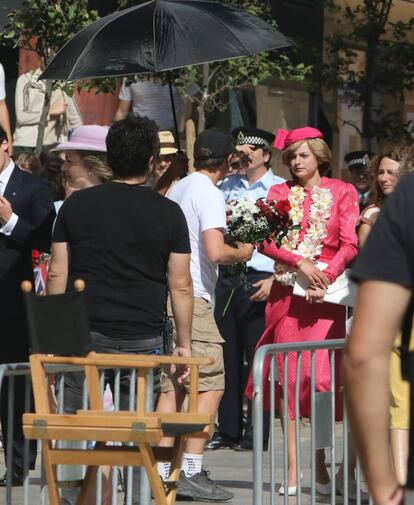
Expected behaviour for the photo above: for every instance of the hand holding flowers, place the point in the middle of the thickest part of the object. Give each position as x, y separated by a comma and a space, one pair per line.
257, 222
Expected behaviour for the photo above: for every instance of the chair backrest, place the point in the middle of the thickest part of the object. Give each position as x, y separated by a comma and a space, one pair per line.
57, 324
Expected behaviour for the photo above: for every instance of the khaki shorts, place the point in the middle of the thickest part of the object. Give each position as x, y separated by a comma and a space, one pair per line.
211, 377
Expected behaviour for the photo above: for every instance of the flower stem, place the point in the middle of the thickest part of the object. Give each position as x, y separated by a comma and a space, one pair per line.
228, 301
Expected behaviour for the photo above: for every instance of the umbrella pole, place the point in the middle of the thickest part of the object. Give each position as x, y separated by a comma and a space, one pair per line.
177, 135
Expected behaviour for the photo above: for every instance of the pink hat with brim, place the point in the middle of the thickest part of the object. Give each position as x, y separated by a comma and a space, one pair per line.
86, 138
284, 138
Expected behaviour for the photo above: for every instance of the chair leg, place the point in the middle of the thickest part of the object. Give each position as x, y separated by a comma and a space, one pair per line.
88, 488
150, 465
176, 460
50, 473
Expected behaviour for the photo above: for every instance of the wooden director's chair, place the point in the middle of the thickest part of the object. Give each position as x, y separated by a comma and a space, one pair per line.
141, 429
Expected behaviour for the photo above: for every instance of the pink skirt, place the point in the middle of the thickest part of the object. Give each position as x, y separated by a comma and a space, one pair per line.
289, 319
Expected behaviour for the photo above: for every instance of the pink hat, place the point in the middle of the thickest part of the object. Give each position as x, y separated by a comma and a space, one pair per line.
86, 138
284, 137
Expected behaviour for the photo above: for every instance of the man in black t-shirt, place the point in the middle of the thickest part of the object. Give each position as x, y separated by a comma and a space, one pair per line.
125, 241
122, 239
385, 270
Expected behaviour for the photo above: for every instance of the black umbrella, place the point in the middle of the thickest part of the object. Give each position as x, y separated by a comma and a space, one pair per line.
162, 35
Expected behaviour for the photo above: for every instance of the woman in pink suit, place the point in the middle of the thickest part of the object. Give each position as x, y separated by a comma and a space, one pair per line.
327, 212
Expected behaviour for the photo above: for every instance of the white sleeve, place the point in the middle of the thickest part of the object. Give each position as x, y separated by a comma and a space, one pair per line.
7, 229
31, 115
73, 114
212, 211
125, 92
2, 83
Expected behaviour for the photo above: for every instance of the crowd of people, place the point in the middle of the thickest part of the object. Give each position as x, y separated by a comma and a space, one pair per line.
117, 207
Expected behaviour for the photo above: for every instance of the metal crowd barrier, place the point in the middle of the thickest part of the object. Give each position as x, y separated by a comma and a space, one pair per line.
34, 489
321, 432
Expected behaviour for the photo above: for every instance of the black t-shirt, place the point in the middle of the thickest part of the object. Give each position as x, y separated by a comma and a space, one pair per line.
120, 238
388, 254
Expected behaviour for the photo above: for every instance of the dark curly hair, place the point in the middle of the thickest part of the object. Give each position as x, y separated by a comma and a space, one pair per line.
51, 169
130, 144
395, 152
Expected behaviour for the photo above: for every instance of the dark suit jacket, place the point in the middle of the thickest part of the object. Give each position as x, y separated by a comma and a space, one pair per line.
31, 200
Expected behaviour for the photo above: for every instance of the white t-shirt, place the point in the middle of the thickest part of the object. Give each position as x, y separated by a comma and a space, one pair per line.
2, 83
204, 208
152, 100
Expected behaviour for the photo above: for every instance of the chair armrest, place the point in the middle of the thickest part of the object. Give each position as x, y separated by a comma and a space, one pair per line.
100, 360
163, 360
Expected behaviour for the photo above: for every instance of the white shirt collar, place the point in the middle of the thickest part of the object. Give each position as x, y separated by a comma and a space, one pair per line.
5, 174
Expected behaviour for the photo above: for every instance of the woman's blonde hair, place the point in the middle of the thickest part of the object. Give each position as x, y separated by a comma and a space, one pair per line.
402, 154
96, 162
318, 147
29, 162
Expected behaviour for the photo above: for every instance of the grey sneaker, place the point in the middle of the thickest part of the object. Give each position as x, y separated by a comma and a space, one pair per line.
200, 487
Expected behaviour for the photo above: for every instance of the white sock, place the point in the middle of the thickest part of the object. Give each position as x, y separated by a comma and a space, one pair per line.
164, 469
192, 464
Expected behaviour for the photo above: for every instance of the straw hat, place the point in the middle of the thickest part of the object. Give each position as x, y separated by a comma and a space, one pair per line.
167, 143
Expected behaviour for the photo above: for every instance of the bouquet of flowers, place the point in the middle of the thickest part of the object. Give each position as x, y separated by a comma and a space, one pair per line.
260, 221
256, 223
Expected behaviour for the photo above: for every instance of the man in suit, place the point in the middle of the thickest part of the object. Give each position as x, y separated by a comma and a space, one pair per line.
26, 219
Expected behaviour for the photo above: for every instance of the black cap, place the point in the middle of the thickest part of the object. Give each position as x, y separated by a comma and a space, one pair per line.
358, 160
213, 143
253, 136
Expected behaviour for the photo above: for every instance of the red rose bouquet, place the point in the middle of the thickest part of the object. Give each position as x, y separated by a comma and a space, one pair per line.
256, 223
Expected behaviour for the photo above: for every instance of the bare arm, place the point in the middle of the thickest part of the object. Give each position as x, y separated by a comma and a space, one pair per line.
219, 252
5, 123
180, 287
57, 276
363, 233
366, 364
122, 110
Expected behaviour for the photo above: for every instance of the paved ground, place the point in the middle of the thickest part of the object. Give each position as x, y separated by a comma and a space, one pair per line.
228, 468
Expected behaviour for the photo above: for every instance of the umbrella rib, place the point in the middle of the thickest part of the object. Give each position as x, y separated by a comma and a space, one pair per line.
154, 38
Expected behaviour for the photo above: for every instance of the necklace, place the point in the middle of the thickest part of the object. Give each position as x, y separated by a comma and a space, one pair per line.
311, 245
129, 182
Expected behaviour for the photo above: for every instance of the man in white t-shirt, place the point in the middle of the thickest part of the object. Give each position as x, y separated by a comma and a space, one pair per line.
4, 111
204, 208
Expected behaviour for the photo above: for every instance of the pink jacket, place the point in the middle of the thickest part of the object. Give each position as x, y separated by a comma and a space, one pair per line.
340, 244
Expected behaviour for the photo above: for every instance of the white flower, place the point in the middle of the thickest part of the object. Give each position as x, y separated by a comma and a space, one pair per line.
311, 245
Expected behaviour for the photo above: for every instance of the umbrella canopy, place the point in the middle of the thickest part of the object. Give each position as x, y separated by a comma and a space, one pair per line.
162, 35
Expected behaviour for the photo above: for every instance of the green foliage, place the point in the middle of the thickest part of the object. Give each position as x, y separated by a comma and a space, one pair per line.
44, 26
387, 70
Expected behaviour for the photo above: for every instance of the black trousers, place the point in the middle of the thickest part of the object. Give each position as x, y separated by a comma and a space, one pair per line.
241, 327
